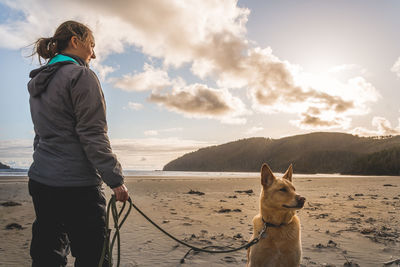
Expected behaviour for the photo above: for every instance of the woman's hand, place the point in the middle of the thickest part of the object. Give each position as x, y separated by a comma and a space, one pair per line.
121, 193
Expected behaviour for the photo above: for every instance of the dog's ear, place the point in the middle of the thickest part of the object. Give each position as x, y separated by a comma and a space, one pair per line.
267, 177
288, 174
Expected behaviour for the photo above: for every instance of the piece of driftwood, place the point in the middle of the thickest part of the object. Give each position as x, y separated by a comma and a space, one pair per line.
396, 261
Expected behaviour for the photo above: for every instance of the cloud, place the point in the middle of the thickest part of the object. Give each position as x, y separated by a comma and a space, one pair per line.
102, 70
196, 100
151, 133
396, 67
208, 31
209, 37
348, 68
313, 122
278, 86
148, 80
383, 128
200, 101
9, 39
157, 132
254, 130
156, 151
176, 31
171, 130
134, 106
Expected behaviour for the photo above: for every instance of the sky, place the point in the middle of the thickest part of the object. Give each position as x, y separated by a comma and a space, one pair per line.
181, 75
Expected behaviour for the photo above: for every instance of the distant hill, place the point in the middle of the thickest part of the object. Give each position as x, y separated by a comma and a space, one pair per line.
310, 153
2, 166
385, 162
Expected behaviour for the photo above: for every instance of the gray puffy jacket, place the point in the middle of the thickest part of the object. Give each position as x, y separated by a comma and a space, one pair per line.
71, 146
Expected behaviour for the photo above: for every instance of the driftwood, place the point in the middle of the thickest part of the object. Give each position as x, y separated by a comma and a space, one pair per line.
250, 191
193, 192
396, 261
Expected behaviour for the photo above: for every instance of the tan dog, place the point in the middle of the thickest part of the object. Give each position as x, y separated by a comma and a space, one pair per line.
280, 243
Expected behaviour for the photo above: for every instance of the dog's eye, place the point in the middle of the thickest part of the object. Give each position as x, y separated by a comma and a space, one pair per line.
283, 189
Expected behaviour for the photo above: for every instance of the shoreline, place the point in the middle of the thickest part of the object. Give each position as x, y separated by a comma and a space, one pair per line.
217, 175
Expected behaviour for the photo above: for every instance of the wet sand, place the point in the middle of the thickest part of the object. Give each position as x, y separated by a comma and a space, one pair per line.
345, 219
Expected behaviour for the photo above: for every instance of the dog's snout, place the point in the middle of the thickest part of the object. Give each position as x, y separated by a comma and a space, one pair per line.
300, 199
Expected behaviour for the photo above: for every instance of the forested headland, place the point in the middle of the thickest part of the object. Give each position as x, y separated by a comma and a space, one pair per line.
309, 153
3, 166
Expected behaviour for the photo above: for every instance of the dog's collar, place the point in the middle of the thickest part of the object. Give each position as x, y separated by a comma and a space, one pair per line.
267, 224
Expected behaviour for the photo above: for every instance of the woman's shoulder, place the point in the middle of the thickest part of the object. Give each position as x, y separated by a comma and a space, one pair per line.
78, 73
83, 78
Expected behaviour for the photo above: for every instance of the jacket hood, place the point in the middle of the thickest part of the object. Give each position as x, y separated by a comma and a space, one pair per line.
41, 77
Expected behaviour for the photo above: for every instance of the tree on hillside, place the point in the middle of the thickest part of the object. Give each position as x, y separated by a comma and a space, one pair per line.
386, 162
3, 166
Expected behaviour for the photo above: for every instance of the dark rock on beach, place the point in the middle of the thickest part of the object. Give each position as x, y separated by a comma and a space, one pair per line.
250, 191
17, 226
229, 210
330, 244
193, 192
10, 204
350, 264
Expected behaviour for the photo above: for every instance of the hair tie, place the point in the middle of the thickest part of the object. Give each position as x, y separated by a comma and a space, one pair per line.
51, 42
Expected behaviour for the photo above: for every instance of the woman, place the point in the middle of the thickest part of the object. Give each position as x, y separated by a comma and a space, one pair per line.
72, 153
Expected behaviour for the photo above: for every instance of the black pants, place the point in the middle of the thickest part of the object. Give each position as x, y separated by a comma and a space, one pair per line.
67, 218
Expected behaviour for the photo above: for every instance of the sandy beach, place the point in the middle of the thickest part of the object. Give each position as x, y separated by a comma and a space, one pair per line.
345, 219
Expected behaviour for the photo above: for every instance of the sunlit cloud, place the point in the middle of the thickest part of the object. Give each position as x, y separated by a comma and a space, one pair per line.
383, 128
171, 130
200, 101
134, 106
161, 131
153, 27
308, 121
348, 68
9, 39
396, 67
208, 31
148, 80
321, 101
254, 130
102, 70
151, 133
209, 37
196, 100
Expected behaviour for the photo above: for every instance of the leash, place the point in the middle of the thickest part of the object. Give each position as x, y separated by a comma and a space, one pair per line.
108, 246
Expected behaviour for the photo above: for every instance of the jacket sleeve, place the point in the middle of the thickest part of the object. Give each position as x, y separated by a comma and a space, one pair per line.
35, 141
91, 126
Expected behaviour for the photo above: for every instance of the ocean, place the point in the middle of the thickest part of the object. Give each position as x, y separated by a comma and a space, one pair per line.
185, 174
